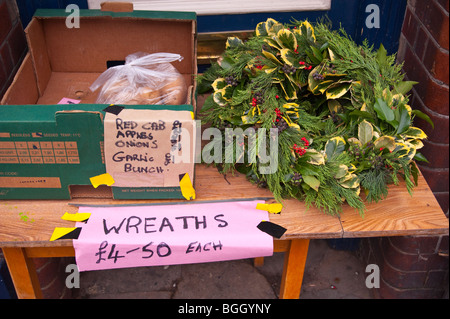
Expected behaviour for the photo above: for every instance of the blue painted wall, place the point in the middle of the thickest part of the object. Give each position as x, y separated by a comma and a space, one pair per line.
350, 14
28, 7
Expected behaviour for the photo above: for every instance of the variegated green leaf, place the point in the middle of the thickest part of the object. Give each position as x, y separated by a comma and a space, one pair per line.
334, 147
331, 54
365, 132
261, 29
291, 109
341, 172
289, 91
273, 43
352, 181
307, 30
412, 151
291, 123
334, 106
271, 57
401, 149
219, 84
315, 157
415, 132
269, 24
313, 83
288, 56
351, 168
233, 42
219, 98
333, 77
338, 91
323, 86
268, 69
354, 141
275, 28
313, 182
287, 39
248, 119
417, 144
385, 142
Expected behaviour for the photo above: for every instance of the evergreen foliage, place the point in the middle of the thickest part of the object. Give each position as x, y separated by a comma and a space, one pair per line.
341, 110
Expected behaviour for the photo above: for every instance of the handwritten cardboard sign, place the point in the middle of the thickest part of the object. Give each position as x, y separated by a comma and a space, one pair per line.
149, 148
136, 236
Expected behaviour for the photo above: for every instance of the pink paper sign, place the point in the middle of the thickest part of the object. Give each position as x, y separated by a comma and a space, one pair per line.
137, 236
66, 100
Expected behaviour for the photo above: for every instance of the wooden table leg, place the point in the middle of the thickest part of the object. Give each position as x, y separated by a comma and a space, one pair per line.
294, 267
23, 273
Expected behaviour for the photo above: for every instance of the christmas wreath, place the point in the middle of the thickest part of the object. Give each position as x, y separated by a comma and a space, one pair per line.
344, 126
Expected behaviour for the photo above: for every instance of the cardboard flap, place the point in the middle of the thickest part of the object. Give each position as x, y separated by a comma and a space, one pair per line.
23, 89
66, 117
38, 49
116, 6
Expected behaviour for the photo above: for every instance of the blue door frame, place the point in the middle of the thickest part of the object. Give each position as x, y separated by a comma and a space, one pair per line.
350, 14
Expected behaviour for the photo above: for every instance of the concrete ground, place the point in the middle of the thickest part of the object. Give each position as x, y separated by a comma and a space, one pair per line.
329, 274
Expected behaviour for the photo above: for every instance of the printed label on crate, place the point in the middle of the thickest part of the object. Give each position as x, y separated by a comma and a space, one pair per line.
30, 182
39, 152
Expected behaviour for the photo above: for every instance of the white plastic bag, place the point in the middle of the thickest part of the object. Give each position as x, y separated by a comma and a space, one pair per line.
143, 79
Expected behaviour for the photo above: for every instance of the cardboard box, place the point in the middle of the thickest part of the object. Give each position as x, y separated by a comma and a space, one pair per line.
50, 150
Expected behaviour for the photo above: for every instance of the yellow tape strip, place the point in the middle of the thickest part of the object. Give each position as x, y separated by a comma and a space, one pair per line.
271, 208
61, 231
187, 190
105, 179
78, 217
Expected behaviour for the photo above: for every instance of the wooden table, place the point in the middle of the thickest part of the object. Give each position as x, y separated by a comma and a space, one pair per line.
26, 225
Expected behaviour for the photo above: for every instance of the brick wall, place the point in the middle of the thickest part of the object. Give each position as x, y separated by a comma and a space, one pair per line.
424, 48
417, 267
410, 267
13, 44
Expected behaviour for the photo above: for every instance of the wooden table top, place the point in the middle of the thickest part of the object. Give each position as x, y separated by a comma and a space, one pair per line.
30, 223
